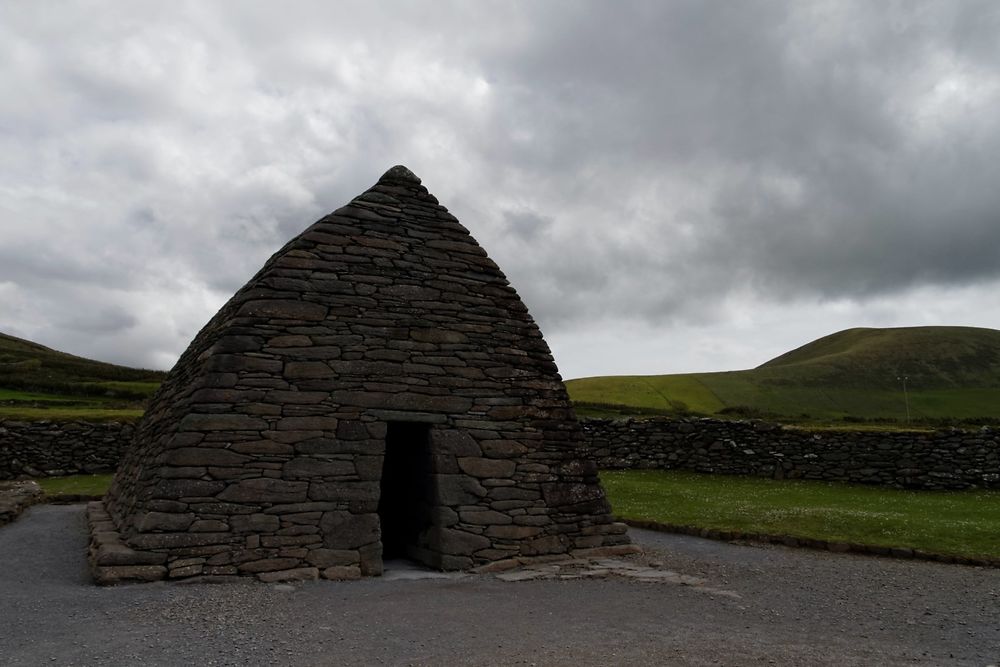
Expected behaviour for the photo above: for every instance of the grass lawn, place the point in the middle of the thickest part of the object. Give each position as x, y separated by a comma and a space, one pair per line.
33, 406
958, 523
82, 485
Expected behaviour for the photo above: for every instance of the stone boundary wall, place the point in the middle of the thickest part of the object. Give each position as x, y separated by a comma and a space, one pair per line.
54, 449
951, 459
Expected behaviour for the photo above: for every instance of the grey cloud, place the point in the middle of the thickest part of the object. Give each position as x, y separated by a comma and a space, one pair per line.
639, 160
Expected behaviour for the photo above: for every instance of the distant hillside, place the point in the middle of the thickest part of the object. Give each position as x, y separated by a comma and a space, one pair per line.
951, 373
931, 357
39, 382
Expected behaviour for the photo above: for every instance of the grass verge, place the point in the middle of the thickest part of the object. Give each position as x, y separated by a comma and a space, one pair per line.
75, 485
956, 523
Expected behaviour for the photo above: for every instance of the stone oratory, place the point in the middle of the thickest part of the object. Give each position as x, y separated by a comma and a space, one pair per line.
377, 390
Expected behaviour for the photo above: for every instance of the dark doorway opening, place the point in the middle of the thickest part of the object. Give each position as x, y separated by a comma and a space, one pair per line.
406, 495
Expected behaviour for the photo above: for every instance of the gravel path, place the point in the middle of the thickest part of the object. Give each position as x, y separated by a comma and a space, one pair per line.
757, 606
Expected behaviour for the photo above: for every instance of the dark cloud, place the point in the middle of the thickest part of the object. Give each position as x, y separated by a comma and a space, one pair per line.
652, 164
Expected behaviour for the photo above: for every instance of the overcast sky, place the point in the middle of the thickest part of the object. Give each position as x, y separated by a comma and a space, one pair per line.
670, 186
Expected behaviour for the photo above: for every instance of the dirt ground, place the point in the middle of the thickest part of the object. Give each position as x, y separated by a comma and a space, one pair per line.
727, 605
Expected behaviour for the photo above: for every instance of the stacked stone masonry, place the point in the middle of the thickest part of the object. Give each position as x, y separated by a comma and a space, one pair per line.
948, 459
952, 459
378, 383
55, 449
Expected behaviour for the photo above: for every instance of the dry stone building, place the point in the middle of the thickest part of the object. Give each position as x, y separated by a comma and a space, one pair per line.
378, 389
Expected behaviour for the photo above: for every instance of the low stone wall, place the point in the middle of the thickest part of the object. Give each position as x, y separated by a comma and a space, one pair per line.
952, 459
54, 449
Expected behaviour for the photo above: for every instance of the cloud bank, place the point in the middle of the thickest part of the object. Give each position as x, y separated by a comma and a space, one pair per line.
670, 186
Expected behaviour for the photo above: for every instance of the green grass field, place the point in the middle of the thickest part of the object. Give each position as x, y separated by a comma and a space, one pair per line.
957, 523
39, 383
33, 406
75, 485
953, 373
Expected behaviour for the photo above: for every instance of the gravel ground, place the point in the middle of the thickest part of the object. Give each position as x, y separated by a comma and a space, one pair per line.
759, 605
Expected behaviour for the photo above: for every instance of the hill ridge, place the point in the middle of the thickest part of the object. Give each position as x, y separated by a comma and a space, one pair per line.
858, 372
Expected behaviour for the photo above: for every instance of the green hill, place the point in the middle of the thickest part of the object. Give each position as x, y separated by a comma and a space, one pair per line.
37, 382
952, 373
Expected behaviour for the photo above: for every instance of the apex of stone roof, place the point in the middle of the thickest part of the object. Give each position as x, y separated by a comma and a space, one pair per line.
399, 174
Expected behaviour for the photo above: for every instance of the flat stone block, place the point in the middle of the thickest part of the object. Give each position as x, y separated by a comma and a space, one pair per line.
170, 489
265, 490
177, 540
324, 558
485, 517
121, 555
486, 468
513, 532
164, 522
459, 543
255, 523
186, 571
221, 422
283, 309
204, 456
346, 531
307, 424
294, 574
268, 565
307, 466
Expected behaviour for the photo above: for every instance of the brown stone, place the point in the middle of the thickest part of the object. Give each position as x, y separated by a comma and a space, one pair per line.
307, 424
460, 543
284, 309
306, 467
345, 491
255, 523
186, 488
119, 554
264, 490
175, 540
486, 468
344, 531
459, 490
485, 517
262, 447
164, 521
307, 369
457, 443
268, 565
324, 558
503, 449
513, 532
221, 422
204, 456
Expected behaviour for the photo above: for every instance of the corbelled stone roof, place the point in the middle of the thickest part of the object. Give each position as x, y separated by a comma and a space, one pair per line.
263, 450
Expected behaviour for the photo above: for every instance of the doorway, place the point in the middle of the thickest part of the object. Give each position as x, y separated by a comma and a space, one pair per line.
406, 495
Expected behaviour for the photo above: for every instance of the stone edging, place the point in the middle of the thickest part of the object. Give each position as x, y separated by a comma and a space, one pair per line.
810, 543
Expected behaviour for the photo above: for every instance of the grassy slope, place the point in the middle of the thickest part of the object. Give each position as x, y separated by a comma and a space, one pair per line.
960, 523
40, 383
953, 372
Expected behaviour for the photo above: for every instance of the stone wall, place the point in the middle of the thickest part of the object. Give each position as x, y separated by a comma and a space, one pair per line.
54, 449
951, 459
